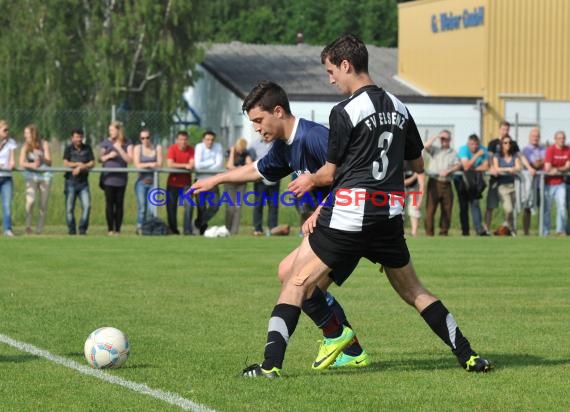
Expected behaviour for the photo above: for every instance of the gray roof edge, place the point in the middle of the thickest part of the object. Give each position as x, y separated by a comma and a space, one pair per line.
224, 80
392, 82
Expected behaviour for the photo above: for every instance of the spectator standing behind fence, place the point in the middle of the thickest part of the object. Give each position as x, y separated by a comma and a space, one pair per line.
470, 184
567, 180
180, 156
506, 163
35, 156
209, 159
443, 163
494, 147
266, 193
146, 155
79, 156
414, 184
556, 161
7, 162
116, 152
534, 154
238, 156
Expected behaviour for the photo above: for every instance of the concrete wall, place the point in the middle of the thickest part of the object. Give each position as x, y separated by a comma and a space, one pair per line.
219, 109
461, 120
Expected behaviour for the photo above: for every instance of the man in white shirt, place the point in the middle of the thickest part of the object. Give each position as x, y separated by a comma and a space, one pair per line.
7, 163
208, 160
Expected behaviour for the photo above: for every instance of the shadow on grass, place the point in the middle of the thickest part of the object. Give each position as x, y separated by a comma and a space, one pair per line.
17, 358
417, 362
499, 360
513, 360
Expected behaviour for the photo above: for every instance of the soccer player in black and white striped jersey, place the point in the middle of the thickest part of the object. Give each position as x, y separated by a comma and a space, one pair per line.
371, 134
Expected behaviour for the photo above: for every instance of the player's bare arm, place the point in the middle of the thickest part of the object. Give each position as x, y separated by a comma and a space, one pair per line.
244, 174
417, 165
308, 181
421, 186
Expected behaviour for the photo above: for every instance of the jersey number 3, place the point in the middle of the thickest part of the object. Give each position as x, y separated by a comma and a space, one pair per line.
380, 166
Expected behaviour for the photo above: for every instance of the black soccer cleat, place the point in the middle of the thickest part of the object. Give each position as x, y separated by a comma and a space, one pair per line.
255, 371
477, 364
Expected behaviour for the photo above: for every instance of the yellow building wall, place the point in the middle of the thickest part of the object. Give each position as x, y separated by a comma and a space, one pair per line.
522, 50
446, 62
528, 53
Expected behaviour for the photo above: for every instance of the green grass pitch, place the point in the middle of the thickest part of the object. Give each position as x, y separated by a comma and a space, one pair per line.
196, 309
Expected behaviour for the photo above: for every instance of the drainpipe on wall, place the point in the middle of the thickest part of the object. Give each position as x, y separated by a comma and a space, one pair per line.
481, 106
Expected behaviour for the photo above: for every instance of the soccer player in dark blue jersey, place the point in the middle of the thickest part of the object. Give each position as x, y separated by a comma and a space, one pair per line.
299, 148
371, 134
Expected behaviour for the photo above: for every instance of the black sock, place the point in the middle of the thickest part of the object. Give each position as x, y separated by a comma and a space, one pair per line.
282, 324
317, 309
354, 349
443, 324
333, 328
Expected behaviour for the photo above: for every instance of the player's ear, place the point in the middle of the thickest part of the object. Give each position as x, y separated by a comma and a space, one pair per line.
345, 66
278, 112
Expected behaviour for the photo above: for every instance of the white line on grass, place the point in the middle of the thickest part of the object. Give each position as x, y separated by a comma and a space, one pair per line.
168, 397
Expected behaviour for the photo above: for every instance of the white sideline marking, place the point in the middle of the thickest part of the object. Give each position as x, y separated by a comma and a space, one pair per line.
168, 397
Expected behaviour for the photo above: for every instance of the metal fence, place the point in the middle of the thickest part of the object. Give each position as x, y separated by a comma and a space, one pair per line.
158, 172
541, 190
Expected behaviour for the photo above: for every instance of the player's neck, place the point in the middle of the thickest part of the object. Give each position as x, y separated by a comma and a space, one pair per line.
288, 127
359, 81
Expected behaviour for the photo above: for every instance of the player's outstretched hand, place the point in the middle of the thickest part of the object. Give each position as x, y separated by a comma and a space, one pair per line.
202, 185
301, 185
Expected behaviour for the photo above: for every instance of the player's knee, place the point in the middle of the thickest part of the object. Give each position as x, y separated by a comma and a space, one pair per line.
282, 272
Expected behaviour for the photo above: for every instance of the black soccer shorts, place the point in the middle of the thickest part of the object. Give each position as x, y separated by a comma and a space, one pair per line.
382, 243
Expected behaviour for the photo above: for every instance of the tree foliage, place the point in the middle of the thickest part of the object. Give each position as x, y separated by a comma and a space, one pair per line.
138, 54
77, 53
279, 21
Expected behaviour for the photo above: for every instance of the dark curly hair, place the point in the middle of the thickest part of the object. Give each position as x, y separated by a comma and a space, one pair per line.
347, 47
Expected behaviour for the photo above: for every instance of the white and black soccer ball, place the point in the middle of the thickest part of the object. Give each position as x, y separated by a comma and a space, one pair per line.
107, 347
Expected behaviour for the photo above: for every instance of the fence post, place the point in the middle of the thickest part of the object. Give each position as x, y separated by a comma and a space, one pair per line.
155, 184
541, 205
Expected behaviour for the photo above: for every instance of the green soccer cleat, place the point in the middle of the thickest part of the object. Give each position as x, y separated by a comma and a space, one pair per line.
331, 347
347, 361
477, 364
255, 371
